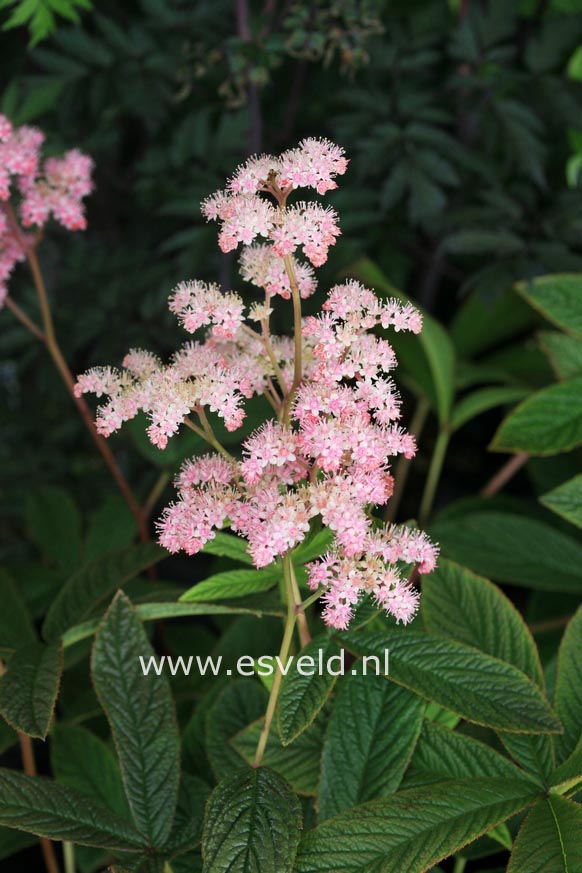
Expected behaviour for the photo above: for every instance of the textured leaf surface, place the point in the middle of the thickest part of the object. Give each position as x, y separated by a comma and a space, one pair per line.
458, 604
475, 686
566, 500
512, 548
482, 400
548, 422
563, 352
42, 807
568, 694
535, 753
558, 298
302, 697
233, 583
412, 830
252, 824
372, 732
55, 525
187, 830
140, 712
298, 764
239, 704
94, 583
228, 546
549, 839
16, 628
29, 688
82, 761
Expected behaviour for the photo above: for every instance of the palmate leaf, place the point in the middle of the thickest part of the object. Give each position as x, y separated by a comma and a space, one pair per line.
482, 689
42, 807
252, 824
29, 688
302, 696
372, 733
549, 839
412, 830
141, 716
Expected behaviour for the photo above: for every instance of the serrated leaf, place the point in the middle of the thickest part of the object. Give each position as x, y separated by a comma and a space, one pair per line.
568, 694
412, 830
512, 548
548, 422
534, 753
475, 686
313, 547
40, 806
558, 298
241, 703
298, 763
29, 688
563, 352
566, 500
82, 761
462, 606
302, 696
140, 711
371, 736
232, 583
568, 774
444, 754
55, 525
187, 829
94, 583
15, 622
549, 839
228, 546
483, 400
252, 824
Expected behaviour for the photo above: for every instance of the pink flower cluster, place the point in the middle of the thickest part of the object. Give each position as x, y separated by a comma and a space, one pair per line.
56, 187
325, 457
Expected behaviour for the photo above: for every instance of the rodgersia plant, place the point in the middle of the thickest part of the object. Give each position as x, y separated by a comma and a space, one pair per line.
326, 452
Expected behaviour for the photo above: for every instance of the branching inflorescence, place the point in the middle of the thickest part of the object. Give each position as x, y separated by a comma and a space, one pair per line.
326, 451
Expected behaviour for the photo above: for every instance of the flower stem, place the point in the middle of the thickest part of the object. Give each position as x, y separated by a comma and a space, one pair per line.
302, 626
283, 655
507, 472
434, 473
297, 364
29, 767
69, 856
24, 319
460, 864
211, 436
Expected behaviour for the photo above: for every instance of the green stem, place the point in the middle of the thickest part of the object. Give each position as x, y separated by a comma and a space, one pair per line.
309, 600
276, 687
460, 864
302, 626
403, 464
69, 856
434, 473
207, 434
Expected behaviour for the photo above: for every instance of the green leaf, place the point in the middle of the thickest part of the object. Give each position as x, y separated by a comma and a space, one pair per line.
55, 525
313, 547
512, 548
548, 422
563, 352
232, 583
41, 806
228, 546
12, 841
372, 733
534, 753
15, 622
155, 611
302, 696
558, 298
252, 824
549, 839
94, 583
412, 830
140, 712
568, 774
187, 830
566, 500
82, 761
298, 763
239, 704
112, 527
444, 754
568, 694
29, 688
475, 686
483, 400
462, 606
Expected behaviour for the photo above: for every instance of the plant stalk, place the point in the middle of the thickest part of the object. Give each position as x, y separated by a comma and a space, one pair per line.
434, 473
29, 767
403, 464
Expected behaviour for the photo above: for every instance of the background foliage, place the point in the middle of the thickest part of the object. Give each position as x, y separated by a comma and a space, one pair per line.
463, 121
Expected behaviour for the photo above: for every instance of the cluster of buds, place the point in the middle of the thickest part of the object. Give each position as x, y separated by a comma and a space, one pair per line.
326, 452
38, 189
